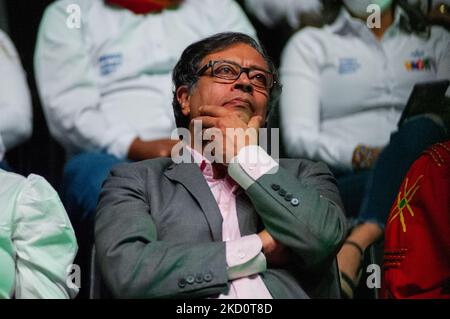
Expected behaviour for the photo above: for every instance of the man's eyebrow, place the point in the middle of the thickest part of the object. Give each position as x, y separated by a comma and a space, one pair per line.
254, 67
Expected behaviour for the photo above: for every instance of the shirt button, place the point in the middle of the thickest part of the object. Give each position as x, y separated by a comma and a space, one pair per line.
190, 279
207, 277
288, 197
295, 202
275, 187
282, 192
182, 283
241, 254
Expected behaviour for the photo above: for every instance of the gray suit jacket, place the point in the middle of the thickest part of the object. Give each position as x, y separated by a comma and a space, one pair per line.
158, 230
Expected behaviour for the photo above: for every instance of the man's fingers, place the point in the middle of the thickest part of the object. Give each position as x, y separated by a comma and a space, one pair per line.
255, 122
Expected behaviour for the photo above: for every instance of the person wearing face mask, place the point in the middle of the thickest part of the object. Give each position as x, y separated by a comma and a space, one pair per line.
345, 87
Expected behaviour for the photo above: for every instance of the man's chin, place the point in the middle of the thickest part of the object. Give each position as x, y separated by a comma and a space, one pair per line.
243, 115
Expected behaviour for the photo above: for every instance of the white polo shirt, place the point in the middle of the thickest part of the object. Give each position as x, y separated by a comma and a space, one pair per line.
15, 100
109, 81
343, 87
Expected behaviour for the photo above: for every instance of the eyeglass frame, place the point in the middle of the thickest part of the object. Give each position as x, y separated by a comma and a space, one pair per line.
211, 64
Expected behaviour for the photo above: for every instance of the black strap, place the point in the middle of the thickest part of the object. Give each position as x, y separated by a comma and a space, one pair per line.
357, 246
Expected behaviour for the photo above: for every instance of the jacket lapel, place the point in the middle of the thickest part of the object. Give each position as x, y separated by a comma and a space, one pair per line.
190, 176
247, 216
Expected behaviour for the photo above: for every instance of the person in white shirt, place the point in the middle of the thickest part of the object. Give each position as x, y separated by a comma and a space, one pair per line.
345, 87
37, 242
15, 100
105, 84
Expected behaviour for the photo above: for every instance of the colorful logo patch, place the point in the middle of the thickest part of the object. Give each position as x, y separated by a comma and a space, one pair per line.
422, 64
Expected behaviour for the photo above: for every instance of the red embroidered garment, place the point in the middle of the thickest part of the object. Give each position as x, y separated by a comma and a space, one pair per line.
145, 6
417, 239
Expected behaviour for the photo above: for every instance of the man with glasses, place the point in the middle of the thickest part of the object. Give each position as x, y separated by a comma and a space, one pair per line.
246, 228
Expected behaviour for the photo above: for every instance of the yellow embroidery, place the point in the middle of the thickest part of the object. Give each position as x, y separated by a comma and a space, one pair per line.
403, 202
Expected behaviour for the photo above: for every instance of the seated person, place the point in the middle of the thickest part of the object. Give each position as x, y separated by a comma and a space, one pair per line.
105, 86
37, 242
15, 100
417, 242
208, 226
345, 87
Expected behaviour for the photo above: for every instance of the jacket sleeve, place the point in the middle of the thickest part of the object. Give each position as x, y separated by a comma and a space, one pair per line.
300, 206
134, 262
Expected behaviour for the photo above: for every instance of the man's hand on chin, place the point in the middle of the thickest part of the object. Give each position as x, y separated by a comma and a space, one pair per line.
240, 132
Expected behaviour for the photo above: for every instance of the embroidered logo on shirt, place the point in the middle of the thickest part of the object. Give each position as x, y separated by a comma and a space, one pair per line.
109, 63
422, 64
403, 203
348, 65
418, 54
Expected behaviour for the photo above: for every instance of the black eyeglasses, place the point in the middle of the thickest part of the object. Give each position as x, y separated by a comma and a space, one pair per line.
231, 71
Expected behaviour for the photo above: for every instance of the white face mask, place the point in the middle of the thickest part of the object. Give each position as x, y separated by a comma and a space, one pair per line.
359, 7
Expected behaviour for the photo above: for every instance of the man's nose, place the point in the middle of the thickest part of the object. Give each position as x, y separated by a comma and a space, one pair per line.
243, 83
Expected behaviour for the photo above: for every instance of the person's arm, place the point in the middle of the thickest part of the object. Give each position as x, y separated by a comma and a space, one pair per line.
68, 89
226, 16
141, 150
44, 242
15, 101
133, 262
443, 55
270, 12
302, 211
300, 105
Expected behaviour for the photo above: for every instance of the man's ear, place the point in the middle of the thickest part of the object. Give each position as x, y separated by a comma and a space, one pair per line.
184, 97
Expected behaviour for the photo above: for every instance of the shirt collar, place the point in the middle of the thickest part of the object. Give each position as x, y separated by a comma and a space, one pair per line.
207, 170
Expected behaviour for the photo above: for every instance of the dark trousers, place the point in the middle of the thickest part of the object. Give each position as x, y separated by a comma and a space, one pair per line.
5, 166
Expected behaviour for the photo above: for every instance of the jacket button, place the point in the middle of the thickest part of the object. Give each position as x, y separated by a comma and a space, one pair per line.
199, 278
190, 279
182, 283
207, 277
275, 187
282, 192
288, 197
295, 202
